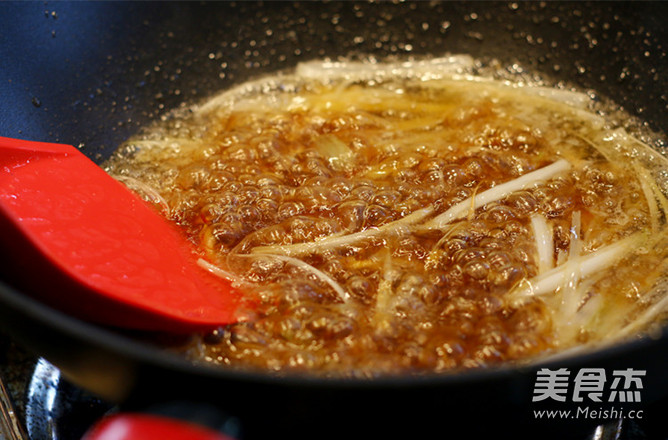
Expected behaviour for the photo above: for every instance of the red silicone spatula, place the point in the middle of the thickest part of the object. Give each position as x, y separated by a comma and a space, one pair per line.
84, 243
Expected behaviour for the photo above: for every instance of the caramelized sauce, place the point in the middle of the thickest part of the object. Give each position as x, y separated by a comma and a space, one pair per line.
250, 180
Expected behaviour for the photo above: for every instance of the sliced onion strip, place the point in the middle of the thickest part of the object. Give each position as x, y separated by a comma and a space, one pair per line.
498, 192
544, 242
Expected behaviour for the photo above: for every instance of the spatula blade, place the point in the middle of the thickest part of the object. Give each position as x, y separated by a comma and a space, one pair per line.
86, 244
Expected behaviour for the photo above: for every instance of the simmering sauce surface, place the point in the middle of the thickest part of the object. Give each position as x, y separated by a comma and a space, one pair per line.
363, 216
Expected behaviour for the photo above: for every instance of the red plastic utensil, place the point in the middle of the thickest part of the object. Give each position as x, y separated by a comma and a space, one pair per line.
148, 427
82, 242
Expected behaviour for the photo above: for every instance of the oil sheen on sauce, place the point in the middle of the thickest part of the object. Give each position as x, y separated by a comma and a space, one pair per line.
397, 219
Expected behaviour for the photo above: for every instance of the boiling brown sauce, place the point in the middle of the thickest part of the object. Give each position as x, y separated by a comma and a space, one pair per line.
249, 180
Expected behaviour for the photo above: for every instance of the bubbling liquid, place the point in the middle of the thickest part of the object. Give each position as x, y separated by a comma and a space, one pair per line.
395, 221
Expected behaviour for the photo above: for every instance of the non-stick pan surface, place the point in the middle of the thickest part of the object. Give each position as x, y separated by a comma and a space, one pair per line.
94, 73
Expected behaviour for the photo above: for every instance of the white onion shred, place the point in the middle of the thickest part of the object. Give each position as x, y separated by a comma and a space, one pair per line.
544, 242
651, 197
498, 192
571, 296
588, 265
336, 241
221, 273
385, 293
343, 295
647, 317
148, 193
426, 69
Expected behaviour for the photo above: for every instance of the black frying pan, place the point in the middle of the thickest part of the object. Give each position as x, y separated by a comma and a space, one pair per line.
94, 73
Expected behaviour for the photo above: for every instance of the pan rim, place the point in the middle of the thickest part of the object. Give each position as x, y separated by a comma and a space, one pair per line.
114, 342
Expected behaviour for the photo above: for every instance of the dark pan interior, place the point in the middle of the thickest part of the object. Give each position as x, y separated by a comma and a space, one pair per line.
93, 73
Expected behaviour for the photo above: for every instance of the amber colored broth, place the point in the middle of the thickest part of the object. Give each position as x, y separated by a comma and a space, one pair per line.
420, 300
